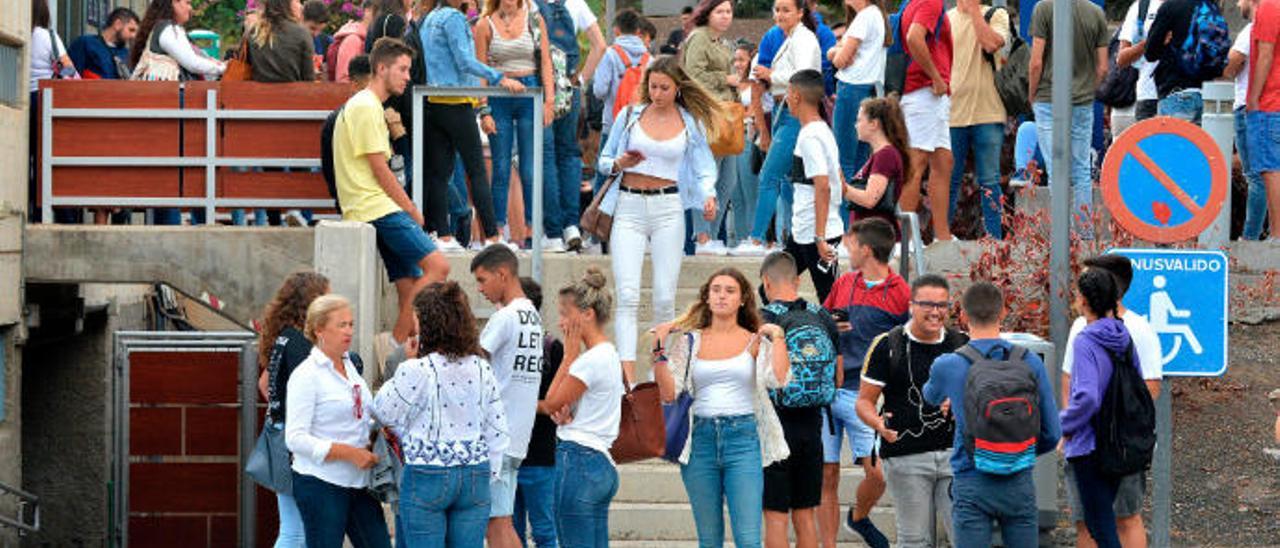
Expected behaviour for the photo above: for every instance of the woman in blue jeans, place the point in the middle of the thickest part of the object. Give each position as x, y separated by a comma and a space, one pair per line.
447, 410
585, 399
514, 42
281, 348
860, 58
328, 429
727, 361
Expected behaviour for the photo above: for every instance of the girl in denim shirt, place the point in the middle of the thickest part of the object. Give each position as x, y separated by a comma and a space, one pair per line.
450, 55
663, 164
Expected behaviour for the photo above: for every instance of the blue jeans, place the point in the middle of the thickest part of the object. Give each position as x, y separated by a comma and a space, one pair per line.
444, 506
586, 482
331, 511
853, 153
291, 534
725, 466
166, 216
536, 505
1186, 105
1255, 212
561, 171
514, 117
743, 196
986, 141
459, 199
1081, 183
726, 186
977, 499
774, 183
1097, 495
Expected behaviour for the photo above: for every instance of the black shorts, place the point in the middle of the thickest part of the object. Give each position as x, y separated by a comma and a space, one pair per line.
796, 483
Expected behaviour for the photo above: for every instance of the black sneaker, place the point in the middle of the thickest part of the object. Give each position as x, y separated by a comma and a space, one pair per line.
870, 534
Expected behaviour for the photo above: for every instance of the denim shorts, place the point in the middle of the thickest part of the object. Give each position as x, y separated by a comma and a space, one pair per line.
502, 490
402, 245
862, 439
1264, 141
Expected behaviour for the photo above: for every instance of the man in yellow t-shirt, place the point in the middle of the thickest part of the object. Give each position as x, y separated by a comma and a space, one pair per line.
369, 192
977, 115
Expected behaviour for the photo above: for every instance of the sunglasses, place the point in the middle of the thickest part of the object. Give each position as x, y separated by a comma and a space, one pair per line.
936, 305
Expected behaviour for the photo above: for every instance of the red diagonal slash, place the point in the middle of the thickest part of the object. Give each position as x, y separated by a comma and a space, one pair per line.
1160, 175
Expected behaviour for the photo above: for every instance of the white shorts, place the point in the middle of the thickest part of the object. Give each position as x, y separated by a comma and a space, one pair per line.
928, 119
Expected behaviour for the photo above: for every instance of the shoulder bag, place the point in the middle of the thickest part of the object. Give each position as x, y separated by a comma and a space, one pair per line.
269, 464
641, 431
238, 67
676, 413
595, 221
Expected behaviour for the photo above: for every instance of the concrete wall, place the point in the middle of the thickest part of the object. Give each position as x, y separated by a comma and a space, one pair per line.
14, 31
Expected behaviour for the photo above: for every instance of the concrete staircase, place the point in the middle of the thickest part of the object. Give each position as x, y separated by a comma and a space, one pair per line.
651, 508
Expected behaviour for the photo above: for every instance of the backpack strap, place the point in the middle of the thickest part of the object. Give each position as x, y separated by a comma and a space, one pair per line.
622, 55
897, 340
1017, 353
970, 353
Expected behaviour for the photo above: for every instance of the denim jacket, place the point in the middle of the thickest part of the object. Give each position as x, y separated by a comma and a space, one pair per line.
697, 177
449, 51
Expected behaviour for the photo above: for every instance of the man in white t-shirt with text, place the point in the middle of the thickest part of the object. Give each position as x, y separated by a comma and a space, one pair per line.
1132, 491
513, 339
1133, 44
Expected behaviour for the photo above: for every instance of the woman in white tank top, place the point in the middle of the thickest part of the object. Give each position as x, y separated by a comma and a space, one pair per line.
514, 41
727, 361
658, 153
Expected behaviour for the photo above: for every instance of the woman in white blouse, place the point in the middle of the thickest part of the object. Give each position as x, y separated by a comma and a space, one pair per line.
161, 32
799, 52
727, 360
328, 429
447, 410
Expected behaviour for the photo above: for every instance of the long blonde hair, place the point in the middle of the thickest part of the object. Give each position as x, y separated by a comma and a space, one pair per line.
274, 15
320, 310
704, 107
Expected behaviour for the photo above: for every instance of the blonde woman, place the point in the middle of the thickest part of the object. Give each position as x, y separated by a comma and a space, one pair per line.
327, 428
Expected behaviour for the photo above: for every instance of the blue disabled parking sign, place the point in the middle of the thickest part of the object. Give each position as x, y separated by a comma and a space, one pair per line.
1183, 295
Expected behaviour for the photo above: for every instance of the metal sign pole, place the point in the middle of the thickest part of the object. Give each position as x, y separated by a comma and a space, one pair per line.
1161, 469
1060, 207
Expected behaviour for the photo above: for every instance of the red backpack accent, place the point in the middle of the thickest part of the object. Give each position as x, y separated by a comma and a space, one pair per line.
629, 87
331, 58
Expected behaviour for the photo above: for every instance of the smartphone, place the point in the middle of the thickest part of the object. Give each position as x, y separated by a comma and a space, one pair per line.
840, 315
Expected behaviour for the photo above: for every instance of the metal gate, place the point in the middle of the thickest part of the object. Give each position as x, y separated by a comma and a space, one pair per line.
185, 418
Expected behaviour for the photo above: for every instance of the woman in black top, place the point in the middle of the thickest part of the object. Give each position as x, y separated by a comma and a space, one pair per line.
388, 20
281, 347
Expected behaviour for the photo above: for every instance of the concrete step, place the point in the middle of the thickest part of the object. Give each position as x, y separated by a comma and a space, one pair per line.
692, 544
659, 482
662, 523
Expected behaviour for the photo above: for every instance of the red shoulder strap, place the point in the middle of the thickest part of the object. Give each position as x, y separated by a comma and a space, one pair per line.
626, 61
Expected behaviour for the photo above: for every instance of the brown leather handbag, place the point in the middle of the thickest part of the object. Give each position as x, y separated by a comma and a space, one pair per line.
238, 68
729, 131
595, 221
642, 432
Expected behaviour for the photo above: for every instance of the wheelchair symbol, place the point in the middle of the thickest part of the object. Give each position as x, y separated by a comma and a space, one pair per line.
1161, 310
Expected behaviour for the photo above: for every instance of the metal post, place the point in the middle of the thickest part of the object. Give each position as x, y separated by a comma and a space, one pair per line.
538, 185
46, 155
610, 8
418, 157
210, 152
1219, 122
248, 435
1060, 208
1161, 467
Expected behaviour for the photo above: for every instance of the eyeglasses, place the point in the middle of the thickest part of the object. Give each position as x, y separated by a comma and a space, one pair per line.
936, 305
357, 407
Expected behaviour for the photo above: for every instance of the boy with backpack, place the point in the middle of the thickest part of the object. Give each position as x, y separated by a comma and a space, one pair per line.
794, 486
621, 70
993, 472
513, 339
818, 185
916, 437
866, 302
1190, 39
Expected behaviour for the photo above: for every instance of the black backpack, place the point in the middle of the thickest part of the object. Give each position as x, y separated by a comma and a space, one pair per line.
326, 155
1011, 79
1001, 411
1120, 87
418, 68
1125, 425
897, 56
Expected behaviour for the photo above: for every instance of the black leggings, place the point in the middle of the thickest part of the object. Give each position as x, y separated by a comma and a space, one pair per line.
451, 130
807, 258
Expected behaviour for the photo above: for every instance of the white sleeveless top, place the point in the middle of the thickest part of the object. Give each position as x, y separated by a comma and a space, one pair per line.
511, 56
661, 158
724, 388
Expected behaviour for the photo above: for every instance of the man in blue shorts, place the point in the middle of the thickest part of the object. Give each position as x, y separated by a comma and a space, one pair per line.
369, 192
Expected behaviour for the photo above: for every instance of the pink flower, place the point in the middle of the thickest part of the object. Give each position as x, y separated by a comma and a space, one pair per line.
348, 7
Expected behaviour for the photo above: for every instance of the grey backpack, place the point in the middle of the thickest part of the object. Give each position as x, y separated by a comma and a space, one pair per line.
1001, 411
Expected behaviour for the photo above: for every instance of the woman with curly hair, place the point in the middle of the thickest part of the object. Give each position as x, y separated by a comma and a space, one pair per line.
447, 410
281, 347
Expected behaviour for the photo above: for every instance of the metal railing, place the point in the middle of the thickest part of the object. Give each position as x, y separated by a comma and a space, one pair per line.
912, 254
211, 161
27, 518
421, 93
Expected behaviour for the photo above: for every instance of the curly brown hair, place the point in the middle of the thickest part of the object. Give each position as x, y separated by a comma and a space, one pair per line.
289, 308
698, 316
448, 327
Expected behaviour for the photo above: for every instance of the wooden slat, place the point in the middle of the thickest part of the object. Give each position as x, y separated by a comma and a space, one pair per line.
134, 182
112, 93
155, 431
290, 96
183, 487
272, 184
258, 138
184, 377
212, 431
184, 531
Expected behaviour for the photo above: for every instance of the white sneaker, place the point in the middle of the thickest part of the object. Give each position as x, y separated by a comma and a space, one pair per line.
713, 248
294, 217
748, 248
450, 245
475, 246
510, 245
552, 245
572, 238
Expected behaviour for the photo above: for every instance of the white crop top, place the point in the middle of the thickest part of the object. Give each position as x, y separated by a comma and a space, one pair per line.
662, 159
724, 388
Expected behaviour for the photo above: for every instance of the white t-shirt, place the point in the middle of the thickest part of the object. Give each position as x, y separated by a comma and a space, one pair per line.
597, 414
513, 339
816, 148
1145, 341
868, 62
1242, 80
1129, 33
44, 44
581, 13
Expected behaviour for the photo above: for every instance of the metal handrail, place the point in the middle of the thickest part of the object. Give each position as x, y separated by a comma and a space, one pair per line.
211, 114
912, 244
420, 93
25, 501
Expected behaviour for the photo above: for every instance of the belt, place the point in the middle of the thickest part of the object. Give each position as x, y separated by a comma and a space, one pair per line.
651, 191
